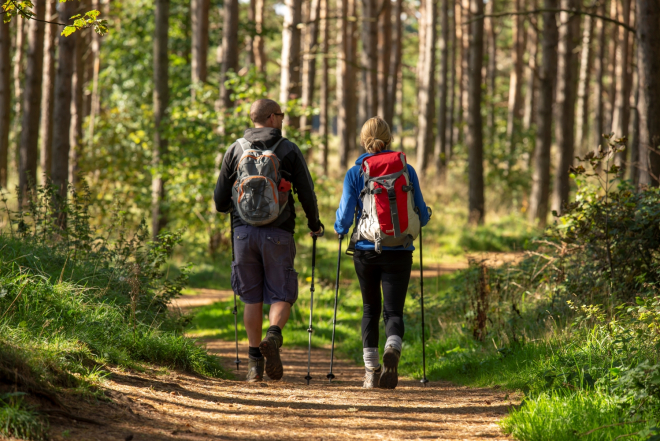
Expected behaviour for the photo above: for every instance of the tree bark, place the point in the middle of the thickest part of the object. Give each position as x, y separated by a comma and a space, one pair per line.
426, 89
342, 76
515, 80
62, 106
260, 59
290, 62
353, 38
369, 57
633, 170
621, 115
29, 141
531, 74
395, 63
452, 89
5, 99
442, 117
458, 79
19, 69
384, 56
538, 201
199, 13
229, 50
465, 74
583, 117
648, 59
474, 134
309, 65
249, 40
565, 103
599, 87
77, 111
324, 116
611, 64
95, 108
161, 100
492, 68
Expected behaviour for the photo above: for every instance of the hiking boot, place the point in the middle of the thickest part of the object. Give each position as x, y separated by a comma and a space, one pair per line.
270, 348
255, 370
390, 376
371, 377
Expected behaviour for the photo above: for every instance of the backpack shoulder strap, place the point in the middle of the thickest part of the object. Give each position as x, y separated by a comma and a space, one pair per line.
277, 144
244, 143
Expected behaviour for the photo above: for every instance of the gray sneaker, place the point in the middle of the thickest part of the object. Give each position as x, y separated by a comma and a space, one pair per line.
371, 377
390, 376
270, 348
255, 370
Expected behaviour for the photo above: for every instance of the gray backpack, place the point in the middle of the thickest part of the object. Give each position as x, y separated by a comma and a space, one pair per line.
256, 195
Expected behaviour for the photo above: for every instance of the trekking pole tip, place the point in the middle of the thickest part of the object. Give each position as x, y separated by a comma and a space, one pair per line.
308, 378
237, 362
424, 381
330, 376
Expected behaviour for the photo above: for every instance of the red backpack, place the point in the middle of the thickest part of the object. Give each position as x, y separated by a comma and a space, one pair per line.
388, 216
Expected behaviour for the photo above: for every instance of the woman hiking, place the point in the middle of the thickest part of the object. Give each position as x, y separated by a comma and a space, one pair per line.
382, 193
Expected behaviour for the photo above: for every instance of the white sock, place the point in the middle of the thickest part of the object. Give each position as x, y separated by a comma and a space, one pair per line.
394, 341
371, 358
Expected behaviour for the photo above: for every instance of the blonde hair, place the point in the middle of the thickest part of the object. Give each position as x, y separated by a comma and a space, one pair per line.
375, 135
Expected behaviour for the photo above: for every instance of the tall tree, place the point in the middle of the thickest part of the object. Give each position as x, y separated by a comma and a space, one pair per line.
426, 88
384, 56
62, 104
199, 14
583, 117
29, 142
19, 68
229, 50
5, 99
342, 75
452, 89
258, 42
77, 111
539, 198
611, 65
567, 65
95, 99
324, 116
459, 68
599, 86
369, 58
531, 73
515, 79
491, 38
395, 63
309, 66
465, 74
621, 114
351, 79
442, 117
290, 61
474, 134
161, 100
648, 59
633, 170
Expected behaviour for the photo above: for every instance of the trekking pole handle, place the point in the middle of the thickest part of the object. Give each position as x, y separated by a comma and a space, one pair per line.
316, 234
430, 211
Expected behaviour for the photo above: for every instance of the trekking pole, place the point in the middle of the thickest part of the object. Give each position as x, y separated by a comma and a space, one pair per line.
330, 376
424, 380
235, 311
311, 309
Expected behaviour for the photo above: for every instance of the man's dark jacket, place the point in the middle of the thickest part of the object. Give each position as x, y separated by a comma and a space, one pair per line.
291, 161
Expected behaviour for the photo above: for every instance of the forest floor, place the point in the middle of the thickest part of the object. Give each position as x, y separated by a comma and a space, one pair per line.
170, 405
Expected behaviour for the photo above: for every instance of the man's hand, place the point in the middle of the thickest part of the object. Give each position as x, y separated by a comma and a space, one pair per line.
319, 233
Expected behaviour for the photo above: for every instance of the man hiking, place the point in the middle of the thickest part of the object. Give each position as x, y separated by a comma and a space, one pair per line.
257, 174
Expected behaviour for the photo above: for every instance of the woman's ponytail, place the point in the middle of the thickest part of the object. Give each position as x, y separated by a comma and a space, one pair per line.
375, 135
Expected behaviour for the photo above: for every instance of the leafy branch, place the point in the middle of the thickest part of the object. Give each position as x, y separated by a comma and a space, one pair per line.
25, 8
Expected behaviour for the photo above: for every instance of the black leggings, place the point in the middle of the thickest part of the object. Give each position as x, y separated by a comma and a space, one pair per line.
392, 268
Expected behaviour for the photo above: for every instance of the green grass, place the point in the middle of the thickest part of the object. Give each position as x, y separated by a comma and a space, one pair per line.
19, 420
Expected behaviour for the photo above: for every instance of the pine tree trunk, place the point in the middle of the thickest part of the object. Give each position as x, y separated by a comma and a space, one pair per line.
309, 64
95, 109
19, 69
229, 50
474, 134
458, 65
442, 117
395, 63
633, 170
492, 67
290, 61
249, 40
611, 66
199, 13
62, 106
565, 102
342, 77
5, 99
539, 198
260, 59
161, 100
515, 80
77, 109
324, 116
465, 74
621, 115
384, 56
648, 59
583, 117
531, 74
599, 87
352, 76
369, 58
29, 141
426, 89
452, 91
